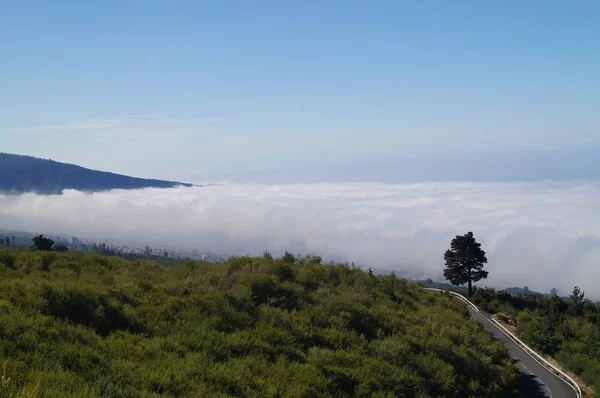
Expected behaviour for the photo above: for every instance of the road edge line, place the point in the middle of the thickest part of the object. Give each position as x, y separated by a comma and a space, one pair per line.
551, 368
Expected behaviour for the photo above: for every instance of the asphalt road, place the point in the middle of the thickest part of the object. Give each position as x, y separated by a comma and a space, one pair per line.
536, 380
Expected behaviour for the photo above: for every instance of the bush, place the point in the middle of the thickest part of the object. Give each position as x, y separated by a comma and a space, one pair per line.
90, 325
7, 258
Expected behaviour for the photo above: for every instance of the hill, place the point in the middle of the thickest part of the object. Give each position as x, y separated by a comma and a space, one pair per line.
444, 285
21, 174
88, 325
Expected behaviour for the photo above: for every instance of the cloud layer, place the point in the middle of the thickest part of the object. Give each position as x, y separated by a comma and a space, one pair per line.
542, 235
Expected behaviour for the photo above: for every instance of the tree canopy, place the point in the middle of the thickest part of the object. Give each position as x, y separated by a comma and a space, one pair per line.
42, 244
577, 300
464, 261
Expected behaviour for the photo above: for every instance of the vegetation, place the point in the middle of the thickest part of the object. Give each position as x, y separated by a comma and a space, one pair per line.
87, 325
567, 329
28, 174
42, 244
464, 261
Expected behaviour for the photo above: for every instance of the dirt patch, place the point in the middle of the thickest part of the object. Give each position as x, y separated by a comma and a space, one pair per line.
507, 320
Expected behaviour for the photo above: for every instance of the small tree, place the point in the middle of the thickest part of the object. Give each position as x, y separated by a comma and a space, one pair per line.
464, 261
267, 255
577, 301
288, 258
312, 259
545, 337
43, 244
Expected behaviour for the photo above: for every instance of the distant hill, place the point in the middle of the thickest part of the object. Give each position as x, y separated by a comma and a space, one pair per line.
20, 174
439, 285
514, 291
521, 290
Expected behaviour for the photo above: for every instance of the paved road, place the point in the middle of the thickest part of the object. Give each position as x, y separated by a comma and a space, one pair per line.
537, 381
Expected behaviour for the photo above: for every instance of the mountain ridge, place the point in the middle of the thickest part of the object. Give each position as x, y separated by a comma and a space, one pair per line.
22, 173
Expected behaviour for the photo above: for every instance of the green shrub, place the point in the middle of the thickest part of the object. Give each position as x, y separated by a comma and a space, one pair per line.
7, 258
74, 325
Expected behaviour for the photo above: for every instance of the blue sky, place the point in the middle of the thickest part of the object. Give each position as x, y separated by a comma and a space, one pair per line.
248, 90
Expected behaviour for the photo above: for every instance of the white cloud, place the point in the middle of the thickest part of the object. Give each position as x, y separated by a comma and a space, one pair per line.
542, 235
187, 121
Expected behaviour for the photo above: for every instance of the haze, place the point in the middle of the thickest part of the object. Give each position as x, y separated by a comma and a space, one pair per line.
542, 235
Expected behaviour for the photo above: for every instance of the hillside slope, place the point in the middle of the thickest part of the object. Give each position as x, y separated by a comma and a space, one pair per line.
19, 174
94, 326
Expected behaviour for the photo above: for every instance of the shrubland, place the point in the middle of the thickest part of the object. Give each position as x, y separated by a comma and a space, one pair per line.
87, 325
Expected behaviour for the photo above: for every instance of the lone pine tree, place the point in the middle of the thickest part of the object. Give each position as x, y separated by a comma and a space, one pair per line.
464, 261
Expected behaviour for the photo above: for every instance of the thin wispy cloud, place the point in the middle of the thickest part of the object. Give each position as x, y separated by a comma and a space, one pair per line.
188, 121
542, 235
260, 114
112, 122
125, 118
68, 127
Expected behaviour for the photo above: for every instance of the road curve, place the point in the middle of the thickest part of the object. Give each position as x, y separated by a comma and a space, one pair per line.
536, 380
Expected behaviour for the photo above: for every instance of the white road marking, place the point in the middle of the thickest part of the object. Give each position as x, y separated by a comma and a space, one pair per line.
527, 370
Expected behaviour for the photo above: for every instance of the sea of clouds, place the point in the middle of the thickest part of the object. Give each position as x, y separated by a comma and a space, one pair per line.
543, 234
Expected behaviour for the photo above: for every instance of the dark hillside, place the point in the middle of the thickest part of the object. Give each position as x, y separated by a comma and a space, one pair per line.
19, 174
